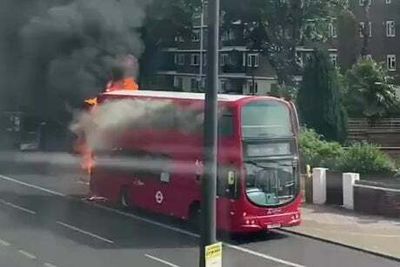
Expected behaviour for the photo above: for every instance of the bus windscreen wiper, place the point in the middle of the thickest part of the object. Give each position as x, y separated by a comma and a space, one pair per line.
257, 164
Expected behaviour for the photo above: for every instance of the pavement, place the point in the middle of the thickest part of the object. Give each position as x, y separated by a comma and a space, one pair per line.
45, 221
373, 234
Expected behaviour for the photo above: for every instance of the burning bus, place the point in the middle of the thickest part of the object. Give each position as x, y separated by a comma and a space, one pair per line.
149, 153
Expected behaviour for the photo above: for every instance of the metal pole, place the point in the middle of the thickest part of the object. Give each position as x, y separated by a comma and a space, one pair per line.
201, 46
209, 183
253, 90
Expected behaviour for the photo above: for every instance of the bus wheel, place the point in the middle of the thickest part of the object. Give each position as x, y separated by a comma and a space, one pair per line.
194, 219
124, 198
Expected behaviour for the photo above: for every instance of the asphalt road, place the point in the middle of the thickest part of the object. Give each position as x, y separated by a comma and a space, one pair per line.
45, 222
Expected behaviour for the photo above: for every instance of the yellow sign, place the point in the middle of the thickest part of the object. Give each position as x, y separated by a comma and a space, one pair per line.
214, 255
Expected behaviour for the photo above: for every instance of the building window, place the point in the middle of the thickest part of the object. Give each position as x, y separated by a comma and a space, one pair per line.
196, 36
253, 87
391, 62
228, 35
204, 59
390, 28
194, 83
388, 1
253, 60
369, 57
194, 59
197, 13
224, 59
179, 59
363, 2
333, 58
178, 82
299, 59
202, 83
332, 30
179, 39
225, 86
369, 30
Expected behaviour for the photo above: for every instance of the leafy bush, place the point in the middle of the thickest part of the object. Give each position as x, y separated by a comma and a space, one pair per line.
318, 152
366, 158
362, 158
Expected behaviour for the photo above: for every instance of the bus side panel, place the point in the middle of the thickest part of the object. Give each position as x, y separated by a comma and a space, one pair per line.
173, 198
107, 184
174, 193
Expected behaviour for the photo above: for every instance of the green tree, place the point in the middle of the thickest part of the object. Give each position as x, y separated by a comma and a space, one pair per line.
348, 39
278, 27
370, 90
319, 98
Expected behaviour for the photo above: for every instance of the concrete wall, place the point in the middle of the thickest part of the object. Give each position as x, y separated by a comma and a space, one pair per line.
377, 200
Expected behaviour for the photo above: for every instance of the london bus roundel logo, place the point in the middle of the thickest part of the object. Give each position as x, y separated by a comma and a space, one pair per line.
159, 197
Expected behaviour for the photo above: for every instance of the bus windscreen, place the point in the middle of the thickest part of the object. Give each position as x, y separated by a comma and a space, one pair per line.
266, 119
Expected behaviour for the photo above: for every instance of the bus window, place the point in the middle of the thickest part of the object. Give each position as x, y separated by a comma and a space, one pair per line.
225, 125
266, 119
139, 163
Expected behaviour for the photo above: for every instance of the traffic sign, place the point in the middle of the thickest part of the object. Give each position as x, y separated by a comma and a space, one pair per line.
214, 255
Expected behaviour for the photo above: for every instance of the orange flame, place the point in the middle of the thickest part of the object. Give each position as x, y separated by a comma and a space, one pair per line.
87, 161
91, 101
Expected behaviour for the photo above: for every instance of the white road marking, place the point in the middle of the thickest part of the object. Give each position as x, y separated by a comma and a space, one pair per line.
262, 255
46, 264
27, 254
161, 260
4, 243
32, 186
139, 218
17, 207
85, 232
162, 225
82, 182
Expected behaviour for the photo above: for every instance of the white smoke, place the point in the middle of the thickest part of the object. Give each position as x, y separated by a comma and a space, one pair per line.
110, 120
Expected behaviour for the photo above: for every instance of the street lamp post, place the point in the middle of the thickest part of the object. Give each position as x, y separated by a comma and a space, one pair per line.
200, 84
208, 203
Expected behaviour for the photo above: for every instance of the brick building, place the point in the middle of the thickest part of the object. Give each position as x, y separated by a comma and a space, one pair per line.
248, 72
383, 18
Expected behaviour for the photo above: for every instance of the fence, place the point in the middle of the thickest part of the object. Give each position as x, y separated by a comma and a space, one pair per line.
364, 124
384, 132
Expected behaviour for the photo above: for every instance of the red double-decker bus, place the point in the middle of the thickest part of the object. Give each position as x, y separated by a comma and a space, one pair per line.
159, 168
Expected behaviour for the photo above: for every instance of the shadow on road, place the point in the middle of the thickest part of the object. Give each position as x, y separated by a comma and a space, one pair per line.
125, 232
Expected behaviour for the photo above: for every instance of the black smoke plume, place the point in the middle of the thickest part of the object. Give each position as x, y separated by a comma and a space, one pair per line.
55, 53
